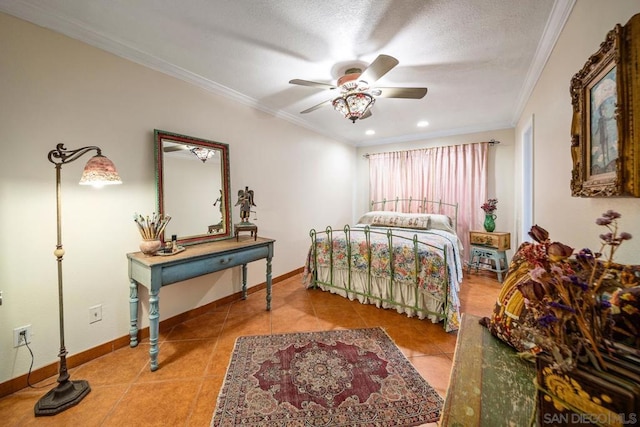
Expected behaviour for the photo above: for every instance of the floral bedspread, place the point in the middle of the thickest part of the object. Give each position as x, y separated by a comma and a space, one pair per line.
430, 277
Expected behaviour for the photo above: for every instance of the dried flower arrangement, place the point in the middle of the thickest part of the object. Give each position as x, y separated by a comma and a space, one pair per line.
490, 206
568, 301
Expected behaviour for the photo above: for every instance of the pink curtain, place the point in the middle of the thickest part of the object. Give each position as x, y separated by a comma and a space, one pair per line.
452, 174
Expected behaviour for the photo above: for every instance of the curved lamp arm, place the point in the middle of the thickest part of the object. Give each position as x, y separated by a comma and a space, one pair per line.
61, 155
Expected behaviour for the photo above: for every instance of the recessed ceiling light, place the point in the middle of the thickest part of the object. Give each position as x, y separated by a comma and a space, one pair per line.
370, 132
423, 124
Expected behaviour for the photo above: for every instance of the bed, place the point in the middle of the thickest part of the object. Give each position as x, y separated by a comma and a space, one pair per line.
420, 276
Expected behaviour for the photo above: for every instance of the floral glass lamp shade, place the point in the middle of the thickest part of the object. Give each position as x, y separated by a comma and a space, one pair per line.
100, 171
353, 105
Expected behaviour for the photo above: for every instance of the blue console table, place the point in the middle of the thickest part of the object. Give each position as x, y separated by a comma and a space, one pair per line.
154, 272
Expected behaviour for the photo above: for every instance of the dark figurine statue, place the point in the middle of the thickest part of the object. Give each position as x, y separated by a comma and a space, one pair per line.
245, 201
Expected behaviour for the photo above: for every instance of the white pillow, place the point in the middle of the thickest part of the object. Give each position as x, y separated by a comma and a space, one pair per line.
441, 222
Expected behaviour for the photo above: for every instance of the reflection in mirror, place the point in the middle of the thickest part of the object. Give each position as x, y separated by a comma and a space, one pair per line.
193, 187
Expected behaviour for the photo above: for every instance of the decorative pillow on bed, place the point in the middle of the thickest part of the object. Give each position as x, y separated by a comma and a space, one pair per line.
368, 217
420, 221
403, 220
395, 219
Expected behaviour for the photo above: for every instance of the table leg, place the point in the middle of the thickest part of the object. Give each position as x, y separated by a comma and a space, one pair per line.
501, 264
244, 281
268, 283
474, 261
133, 313
154, 315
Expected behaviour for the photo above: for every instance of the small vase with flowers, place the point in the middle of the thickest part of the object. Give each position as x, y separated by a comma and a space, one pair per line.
489, 207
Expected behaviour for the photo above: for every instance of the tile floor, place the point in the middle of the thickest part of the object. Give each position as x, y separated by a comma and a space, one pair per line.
194, 356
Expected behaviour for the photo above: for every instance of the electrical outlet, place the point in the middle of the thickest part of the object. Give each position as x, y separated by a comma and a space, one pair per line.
20, 340
95, 313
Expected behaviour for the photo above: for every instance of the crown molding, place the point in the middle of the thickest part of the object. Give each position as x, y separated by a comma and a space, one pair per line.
437, 134
557, 19
49, 19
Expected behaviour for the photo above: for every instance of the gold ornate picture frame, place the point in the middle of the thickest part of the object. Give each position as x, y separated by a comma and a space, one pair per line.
605, 132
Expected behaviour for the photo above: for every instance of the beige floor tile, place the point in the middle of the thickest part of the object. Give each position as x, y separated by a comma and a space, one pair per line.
180, 359
206, 402
119, 367
157, 403
435, 369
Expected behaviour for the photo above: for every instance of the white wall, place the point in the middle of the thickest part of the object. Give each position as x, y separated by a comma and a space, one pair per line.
571, 220
58, 90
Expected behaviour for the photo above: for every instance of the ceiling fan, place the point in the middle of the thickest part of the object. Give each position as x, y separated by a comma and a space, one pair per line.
357, 90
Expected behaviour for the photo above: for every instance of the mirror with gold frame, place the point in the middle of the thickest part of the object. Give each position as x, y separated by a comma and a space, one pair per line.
192, 177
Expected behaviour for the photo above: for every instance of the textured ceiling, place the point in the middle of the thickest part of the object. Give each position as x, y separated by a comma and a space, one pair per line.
479, 58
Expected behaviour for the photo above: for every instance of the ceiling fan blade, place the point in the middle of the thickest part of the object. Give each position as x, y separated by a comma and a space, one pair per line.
378, 68
400, 92
315, 107
366, 115
312, 84
178, 147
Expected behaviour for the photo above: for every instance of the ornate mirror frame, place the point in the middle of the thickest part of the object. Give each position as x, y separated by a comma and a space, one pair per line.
195, 197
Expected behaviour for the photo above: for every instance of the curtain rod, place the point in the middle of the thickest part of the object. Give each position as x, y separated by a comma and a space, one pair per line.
491, 142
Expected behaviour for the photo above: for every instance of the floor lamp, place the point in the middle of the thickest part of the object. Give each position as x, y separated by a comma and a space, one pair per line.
98, 171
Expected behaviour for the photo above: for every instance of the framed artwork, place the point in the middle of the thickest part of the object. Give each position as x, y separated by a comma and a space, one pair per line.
605, 140
603, 136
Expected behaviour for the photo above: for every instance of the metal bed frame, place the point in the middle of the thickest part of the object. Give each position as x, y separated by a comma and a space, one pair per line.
349, 287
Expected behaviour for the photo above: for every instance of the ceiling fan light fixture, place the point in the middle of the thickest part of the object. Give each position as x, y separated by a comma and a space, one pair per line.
203, 154
358, 89
353, 105
350, 82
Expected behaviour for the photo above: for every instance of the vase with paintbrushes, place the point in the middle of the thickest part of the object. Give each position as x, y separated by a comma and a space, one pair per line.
151, 228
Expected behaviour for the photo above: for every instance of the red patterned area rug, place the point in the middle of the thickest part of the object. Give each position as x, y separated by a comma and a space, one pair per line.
355, 377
